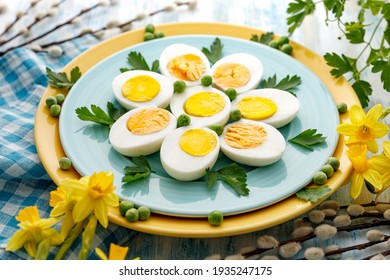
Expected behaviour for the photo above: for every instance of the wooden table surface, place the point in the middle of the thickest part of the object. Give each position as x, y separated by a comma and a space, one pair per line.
265, 15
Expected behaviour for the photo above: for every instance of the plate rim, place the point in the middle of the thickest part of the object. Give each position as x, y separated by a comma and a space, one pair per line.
193, 227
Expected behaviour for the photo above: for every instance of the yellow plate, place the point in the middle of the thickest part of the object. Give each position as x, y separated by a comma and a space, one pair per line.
50, 150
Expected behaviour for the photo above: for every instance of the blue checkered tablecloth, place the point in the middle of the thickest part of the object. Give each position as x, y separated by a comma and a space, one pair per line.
23, 180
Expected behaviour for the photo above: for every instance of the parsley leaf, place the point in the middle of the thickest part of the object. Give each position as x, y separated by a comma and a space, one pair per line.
341, 65
363, 90
355, 32
97, 115
313, 194
308, 138
141, 169
298, 10
138, 62
265, 38
383, 67
60, 79
233, 175
287, 83
215, 52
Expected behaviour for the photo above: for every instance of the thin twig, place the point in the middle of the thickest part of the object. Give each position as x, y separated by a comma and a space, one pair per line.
384, 253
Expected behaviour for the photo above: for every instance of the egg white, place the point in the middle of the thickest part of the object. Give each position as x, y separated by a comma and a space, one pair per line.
182, 166
251, 62
129, 144
161, 100
287, 105
178, 101
175, 50
270, 151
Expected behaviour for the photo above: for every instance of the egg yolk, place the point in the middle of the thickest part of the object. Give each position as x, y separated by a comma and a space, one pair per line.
148, 121
231, 75
140, 88
188, 67
197, 142
204, 104
256, 108
245, 136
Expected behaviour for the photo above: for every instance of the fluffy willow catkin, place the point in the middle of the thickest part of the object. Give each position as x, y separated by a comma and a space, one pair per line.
301, 222
314, 253
269, 257
381, 207
342, 220
330, 204
325, 231
316, 216
267, 242
386, 214
332, 248
302, 231
378, 257
214, 257
375, 235
355, 210
289, 250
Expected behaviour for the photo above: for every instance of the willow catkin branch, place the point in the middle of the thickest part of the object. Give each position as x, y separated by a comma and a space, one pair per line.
384, 253
374, 223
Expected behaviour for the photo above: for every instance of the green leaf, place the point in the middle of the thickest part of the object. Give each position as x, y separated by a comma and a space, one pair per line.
287, 83
341, 64
254, 38
387, 35
60, 79
140, 170
215, 52
113, 112
308, 139
374, 5
137, 61
297, 11
313, 194
335, 6
363, 91
383, 67
155, 66
96, 115
386, 11
355, 32
234, 175
266, 38
124, 69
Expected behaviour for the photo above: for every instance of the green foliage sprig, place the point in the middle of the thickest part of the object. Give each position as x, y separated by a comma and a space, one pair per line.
355, 32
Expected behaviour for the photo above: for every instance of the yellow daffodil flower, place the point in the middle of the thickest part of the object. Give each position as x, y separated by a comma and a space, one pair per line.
96, 195
116, 252
383, 166
363, 170
364, 129
33, 230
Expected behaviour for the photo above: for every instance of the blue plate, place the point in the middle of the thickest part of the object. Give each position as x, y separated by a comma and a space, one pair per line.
87, 145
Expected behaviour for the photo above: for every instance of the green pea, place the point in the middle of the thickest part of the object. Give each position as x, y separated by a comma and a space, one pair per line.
235, 115
159, 34
60, 98
148, 36
132, 215
179, 86
273, 44
334, 162
231, 93
55, 110
320, 178
50, 101
283, 40
124, 206
65, 163
144, 213
328, 170
215, 218
218, 128
183, 120
206, 80
286, 48
342, 107
149, 28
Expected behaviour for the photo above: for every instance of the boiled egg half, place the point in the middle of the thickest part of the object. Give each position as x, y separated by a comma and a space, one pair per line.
272, 106
141, 131
241, 71
187, 152
205, 105
252, 143
184, 62
140, 88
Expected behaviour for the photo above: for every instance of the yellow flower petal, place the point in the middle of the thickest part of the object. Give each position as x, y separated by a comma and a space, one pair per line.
379, 163
346, 129
101, 213
357, 115
31, 248
28, 214
57, 196
82, 209
372, 146
374, 114
117, 252
357, 181
380, 129
374, 178
386, 148
17, 240
111, 200
75, 187
101, 254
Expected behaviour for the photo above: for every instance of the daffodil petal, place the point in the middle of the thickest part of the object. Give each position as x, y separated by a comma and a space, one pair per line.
346, 129
17, 240
374, 178
380, 129
100, 254
374, 114
357, 115
75, 187
386, 179
379, 163
28, 214
101, 213
357, 181
372, 146
31, 248
83, 208
117, 252
111, 200
386, 148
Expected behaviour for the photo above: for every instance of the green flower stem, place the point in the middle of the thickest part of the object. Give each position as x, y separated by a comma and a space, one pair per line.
88, 235
74, 233
43, 249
